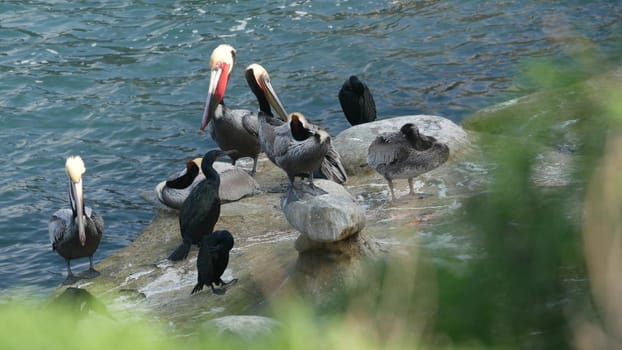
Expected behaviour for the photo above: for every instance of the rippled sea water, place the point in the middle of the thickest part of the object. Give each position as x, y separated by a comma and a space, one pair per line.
122, 83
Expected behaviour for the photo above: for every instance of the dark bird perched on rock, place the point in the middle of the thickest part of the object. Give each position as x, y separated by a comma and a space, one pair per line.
213, 260
269, 126
357, 102
76, 232
232, 129
405, 154
201, 209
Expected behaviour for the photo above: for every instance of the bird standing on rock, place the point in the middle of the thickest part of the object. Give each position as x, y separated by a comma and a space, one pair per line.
273, 131
300, 148
201, 209
232, 129
212, 261
405, 154
76, 232
357, 102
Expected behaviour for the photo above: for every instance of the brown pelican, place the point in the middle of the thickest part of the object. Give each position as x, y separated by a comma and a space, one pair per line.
212, 261
201, 209
235, 183
173, 192
357, 102
231, 129
269, 126
300, 148
76, 232
258, 80
405, 154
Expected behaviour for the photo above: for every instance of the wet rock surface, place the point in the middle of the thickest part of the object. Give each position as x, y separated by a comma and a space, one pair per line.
242, 326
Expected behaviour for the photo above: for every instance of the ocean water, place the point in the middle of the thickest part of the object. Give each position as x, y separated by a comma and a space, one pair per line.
122, 83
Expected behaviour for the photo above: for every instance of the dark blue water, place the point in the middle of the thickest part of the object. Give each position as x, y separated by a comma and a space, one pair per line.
122, 84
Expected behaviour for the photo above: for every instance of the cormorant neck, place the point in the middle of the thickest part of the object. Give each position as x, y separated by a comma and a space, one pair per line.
208, 169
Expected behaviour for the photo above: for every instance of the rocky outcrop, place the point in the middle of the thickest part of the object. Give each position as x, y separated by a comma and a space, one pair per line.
310, 247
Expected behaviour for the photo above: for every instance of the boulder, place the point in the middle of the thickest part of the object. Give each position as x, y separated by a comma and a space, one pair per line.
235, 182
353, 142
328, 217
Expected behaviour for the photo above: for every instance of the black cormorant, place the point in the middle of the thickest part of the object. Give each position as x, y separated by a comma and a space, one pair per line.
212, 261
357, 102
201, 209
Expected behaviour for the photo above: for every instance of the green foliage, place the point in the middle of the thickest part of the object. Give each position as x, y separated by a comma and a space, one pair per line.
533, 270
29, 326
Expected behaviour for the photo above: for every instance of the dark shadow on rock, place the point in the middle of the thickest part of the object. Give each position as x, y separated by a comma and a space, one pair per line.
325, 267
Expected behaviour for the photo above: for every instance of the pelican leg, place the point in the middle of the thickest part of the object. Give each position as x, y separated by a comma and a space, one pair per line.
71, 279
91, 272
314, 190
410, 185
254, 166
390, 182
291, 189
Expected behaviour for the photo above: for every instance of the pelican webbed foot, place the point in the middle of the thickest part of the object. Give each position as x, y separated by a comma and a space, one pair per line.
88, 274
312, 189
297, 192
71, 279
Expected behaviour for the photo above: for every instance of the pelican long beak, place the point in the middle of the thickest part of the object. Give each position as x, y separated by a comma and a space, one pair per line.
216, 92
272, 97
77, 203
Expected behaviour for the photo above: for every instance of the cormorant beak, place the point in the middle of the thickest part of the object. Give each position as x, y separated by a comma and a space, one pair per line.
272, 97
216, 92
77, 204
